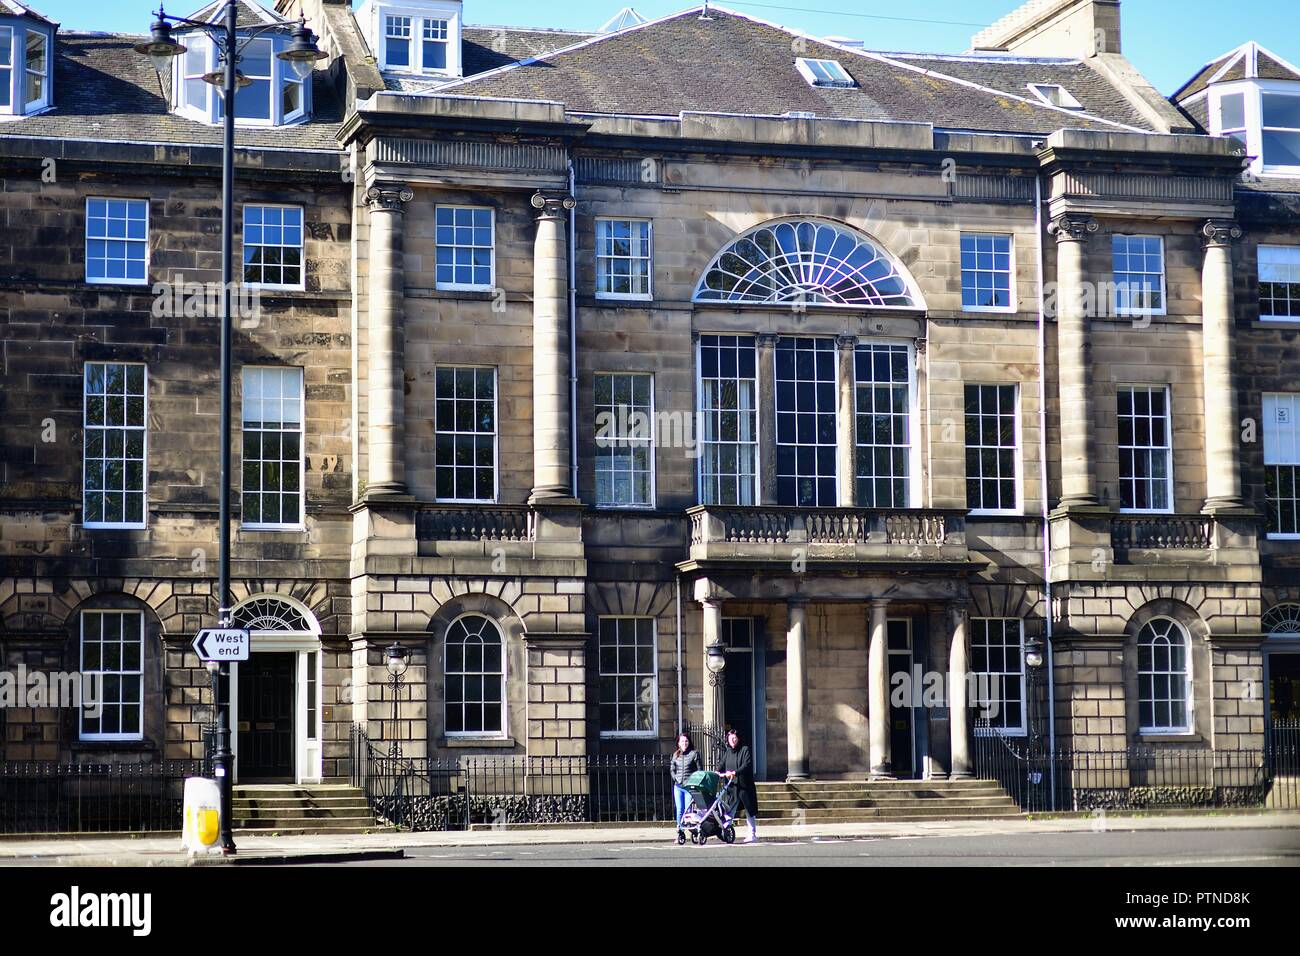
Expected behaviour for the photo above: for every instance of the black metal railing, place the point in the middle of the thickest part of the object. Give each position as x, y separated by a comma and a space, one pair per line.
1143, 777
710, 741
421, 793
47, 797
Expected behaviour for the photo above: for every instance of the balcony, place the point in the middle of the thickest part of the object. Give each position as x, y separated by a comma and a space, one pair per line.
826, 536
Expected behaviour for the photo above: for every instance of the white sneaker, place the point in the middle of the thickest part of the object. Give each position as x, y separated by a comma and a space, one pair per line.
752, 838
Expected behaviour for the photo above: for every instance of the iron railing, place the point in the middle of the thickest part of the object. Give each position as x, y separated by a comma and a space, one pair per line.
48, 797
1142, 777
415, 793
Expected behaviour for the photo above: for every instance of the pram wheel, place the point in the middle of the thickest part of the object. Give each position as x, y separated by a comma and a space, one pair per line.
681, 837
729, 835
695, 838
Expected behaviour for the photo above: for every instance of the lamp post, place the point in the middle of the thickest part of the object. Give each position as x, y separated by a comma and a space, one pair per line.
1034, 668
398, 657
715, 659
302, 55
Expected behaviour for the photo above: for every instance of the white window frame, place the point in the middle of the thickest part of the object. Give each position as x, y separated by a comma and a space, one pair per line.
1011, 305
1282, 451
120, 672
648, 259
1045, 92
449, 14
431, 24
1016, 448
913, 485
14, 76
211, 113
1294, 251
504, 732
492, 268
623, 441
1022, 729
301, 284
836, 477
86, 427
653, 732
1168, 447
1164, 277
1188, 727
28, 106
701, 477
1254, 90
148, 250
301, 523
496, 433
808, 68
10, 72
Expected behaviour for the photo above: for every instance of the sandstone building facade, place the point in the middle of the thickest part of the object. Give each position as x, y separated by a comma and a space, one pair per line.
576, 355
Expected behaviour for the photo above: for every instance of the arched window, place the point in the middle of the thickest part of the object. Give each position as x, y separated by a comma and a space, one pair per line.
1282, 619
271, 614
1164, 678
474, 672
806, 261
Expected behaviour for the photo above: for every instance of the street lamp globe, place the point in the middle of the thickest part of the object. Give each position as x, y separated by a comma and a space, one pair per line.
1034, 652
302, 52
715, 658
161, 47
399, 657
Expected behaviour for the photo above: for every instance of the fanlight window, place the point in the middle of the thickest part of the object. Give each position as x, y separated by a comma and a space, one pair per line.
269, 614
1282, 619
805, 261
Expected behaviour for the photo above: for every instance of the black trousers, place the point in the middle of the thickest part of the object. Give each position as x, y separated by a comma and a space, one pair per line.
748, 798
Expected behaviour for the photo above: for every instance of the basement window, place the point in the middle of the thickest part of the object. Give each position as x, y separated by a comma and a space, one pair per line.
1054, 95
824, 73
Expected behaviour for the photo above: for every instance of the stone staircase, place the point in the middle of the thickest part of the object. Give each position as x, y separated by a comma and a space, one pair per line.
861, 801
294, 809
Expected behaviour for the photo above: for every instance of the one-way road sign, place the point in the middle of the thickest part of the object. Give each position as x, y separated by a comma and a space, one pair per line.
222, 644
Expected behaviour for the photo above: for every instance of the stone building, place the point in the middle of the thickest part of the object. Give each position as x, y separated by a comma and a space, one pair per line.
867, 370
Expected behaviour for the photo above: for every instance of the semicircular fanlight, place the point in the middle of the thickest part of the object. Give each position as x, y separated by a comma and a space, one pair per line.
1282, 619
808, 261
269, 614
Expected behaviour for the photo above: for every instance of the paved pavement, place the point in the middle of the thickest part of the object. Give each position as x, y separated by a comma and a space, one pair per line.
164, 851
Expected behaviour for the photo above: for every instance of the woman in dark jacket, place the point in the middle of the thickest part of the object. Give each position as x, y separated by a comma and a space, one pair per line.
738, 765
686, 761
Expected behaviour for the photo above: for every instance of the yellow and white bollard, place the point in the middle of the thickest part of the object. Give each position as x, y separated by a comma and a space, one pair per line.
202, 830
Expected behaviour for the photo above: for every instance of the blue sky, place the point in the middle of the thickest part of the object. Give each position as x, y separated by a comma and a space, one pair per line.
1168, 40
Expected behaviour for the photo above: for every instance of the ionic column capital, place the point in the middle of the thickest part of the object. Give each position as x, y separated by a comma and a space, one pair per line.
552, 205
1072, 227
846, 342
389, 196
1220, 232
766, 340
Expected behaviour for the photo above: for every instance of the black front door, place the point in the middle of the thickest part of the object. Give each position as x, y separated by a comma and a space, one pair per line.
738, 677
900, 715
1284, 687
266, 684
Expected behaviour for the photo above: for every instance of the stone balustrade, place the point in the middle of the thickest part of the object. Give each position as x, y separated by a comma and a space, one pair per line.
475, 523
1162, 532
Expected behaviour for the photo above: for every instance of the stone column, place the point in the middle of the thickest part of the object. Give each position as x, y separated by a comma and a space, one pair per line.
1074, 362
1222, 461
551, 349
846, 423
386, 393
796, 694
713, 683
766, 419
878, 692
958, 704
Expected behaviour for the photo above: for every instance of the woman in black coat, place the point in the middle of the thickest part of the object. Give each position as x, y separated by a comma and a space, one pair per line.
738, 765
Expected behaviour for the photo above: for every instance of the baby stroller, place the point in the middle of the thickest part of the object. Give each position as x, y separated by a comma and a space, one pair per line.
713, 812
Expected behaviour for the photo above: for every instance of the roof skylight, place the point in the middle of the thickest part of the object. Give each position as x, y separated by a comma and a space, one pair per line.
824, 72
1054, 95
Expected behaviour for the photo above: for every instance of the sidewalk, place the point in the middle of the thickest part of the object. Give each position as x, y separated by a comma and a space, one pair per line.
270, 850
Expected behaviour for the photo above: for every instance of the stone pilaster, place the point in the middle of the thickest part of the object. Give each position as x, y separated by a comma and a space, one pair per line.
387, 433
551, 465
878, 691
767, 419
1074, 359
1222, 451
846, 422
796, 694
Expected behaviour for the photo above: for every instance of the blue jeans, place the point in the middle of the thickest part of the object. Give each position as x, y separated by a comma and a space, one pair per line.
681, 802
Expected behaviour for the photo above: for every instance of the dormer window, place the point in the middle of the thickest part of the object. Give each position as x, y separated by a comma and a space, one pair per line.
420, 37
1265, 116
275, 94
1054, 95
1281, 130
25, 64
824, 73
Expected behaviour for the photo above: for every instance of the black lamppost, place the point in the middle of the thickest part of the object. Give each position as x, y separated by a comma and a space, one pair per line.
302, 55
398, 658
1034, 668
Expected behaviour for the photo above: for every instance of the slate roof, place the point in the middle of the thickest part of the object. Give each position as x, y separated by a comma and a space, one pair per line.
485, 48
732, 63
1248, 61
248, 14
104, 90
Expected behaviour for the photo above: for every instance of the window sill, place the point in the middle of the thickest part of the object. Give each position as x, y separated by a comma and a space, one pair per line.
106, 746
452, 743
989, 310
1169, 737
629, 735
607, 297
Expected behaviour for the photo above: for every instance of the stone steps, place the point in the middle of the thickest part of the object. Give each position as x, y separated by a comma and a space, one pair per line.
302, 810
857, 801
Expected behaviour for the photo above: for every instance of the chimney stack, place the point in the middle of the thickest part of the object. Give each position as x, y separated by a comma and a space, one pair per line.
1066, 28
